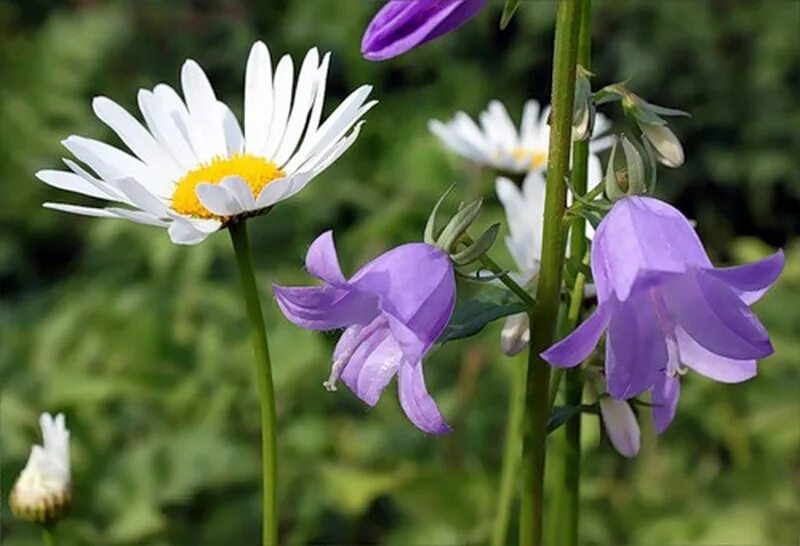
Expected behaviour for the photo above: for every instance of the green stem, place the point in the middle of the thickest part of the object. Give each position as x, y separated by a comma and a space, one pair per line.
266, 392
48, 535
511, 455
503, 277
569, 507
549, 283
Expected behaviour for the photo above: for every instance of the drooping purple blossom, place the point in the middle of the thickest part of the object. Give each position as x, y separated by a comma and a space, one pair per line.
393, 310
665, 306
402, 25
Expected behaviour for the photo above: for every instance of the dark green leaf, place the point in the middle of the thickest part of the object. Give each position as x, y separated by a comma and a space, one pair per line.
474, 314
560, 415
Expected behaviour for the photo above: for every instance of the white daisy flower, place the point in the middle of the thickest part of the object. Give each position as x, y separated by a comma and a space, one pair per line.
524, 209
43, 490
498, 144
192, 168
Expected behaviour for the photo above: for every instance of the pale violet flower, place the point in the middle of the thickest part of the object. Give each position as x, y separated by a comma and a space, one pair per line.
497, 142
393, 310
192, 168
665, 306
43, 491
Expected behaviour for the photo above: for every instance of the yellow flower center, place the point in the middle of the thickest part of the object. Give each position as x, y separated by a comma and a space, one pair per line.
537, 158
256, 171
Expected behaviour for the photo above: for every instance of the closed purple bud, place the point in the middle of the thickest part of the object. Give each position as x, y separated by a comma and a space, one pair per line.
402, 25
621, 426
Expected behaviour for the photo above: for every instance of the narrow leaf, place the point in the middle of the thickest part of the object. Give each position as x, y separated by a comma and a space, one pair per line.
474, 314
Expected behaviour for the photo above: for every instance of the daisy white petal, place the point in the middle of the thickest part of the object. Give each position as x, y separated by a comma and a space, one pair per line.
219, 200
282, 102
257, 99
303, 99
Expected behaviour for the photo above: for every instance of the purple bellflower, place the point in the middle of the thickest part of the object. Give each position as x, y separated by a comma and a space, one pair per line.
665, 306
402, 25
393, 310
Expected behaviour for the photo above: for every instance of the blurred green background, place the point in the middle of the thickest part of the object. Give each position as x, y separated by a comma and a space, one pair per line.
144, 344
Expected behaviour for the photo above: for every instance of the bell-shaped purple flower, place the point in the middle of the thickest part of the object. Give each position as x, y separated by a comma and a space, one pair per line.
665, 306
402, 25
393, 310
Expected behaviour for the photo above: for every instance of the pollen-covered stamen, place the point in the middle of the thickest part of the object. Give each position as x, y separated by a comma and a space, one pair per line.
257, 172
344, 358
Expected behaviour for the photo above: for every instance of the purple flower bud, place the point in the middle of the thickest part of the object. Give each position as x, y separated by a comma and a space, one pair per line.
402, 25
664, 305
621, 426
393, 310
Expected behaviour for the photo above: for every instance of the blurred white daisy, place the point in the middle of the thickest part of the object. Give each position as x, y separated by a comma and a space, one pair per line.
192, 168
497, 143
524, 210
43, 490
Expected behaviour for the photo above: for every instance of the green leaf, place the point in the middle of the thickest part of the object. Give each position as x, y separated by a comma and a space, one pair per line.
508, 12
560, 415
474, 314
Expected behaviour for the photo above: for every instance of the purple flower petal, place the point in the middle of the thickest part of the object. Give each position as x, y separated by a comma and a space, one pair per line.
373, 366
713, 366
665, 395
417, 403
402, 25
636, 348
714, 316
415, 286
576, 347
324, 307
322, 262
642, 236
752, 280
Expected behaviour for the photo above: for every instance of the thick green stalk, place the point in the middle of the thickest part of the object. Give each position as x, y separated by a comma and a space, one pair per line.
266, 392
549, 283
568, 502
512, 452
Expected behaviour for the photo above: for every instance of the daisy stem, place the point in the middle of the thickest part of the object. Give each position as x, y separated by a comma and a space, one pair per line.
48, 534
269, 445
568, 509
545, 316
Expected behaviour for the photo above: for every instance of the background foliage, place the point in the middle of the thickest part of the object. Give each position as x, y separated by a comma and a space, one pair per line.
144, 346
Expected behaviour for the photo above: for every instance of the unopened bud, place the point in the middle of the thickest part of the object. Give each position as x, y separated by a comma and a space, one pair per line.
43, 491
583, 114
665, 144
625, 173
515, 335
621, 425
654, 127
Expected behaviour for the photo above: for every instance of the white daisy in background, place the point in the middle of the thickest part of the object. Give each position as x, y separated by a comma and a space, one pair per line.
192, 168
524, 210
497, 143
43, 490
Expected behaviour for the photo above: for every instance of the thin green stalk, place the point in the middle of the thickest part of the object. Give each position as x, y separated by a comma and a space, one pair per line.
545, 316
503, 277
512, 452
569, 508
48, 535
266, 392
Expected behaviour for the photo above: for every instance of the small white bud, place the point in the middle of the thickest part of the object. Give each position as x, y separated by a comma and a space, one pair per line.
666, 145
621, 425
43, 491
515, 335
